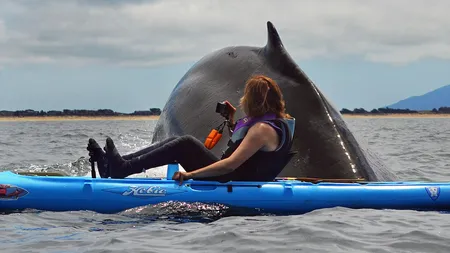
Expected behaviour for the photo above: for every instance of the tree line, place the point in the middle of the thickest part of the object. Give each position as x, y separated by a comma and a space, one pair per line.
67, 112
157, 112
392, 111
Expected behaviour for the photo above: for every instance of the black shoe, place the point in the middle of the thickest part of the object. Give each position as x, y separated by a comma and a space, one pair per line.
98, 155
119, 167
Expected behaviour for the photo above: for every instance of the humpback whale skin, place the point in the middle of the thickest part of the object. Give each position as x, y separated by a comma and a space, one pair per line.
326, 147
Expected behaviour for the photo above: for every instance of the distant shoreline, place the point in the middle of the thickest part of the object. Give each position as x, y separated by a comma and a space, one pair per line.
77, 118
156, 117
398, 115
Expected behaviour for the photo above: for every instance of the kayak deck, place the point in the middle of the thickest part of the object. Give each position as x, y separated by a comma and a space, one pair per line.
104, 195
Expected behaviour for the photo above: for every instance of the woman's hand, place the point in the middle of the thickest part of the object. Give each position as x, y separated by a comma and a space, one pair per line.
181, 176
232, 111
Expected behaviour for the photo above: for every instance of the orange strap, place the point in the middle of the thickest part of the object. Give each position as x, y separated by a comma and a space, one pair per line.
212, 139
214, 136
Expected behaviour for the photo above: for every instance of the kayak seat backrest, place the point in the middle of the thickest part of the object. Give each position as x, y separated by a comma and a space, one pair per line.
287, 160
289, 157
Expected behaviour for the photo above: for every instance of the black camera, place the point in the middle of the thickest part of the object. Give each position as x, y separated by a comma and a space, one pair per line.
223, 109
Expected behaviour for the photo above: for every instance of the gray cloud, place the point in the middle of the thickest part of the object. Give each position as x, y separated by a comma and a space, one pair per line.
142, 32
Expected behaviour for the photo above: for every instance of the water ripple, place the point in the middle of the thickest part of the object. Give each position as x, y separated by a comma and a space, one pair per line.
414, 149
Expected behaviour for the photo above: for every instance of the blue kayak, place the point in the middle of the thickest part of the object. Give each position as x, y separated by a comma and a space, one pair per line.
104, 195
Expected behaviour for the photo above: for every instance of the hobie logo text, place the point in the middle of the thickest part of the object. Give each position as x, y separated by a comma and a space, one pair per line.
144, 191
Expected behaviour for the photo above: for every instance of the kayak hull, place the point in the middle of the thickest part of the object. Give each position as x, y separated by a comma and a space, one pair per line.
58, 193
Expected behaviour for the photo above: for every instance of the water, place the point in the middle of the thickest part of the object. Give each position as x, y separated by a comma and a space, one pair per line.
415, 149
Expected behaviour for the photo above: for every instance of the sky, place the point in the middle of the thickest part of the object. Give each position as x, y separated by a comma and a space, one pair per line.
128, 55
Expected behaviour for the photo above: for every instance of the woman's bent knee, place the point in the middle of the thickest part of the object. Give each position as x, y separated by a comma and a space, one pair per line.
171, 138
189, 141
188, 138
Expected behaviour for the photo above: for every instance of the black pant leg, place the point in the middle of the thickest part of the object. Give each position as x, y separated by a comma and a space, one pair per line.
148, 149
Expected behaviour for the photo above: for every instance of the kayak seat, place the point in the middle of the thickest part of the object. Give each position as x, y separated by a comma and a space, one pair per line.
288, 159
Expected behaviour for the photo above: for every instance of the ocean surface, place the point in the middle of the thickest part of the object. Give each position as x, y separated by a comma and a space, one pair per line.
415, 149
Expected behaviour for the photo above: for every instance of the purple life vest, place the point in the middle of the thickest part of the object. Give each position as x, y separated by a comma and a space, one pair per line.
249, 121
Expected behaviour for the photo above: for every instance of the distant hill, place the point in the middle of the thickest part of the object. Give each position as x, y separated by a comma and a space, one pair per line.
433, 99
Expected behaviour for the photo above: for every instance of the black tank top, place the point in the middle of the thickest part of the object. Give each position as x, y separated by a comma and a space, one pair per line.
263, 165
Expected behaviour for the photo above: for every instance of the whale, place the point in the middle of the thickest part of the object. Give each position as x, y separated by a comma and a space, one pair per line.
324, 146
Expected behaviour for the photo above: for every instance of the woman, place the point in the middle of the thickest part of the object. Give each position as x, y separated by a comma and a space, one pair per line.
258, 150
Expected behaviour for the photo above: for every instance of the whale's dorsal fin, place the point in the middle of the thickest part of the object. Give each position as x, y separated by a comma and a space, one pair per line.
279, 57
273, 39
